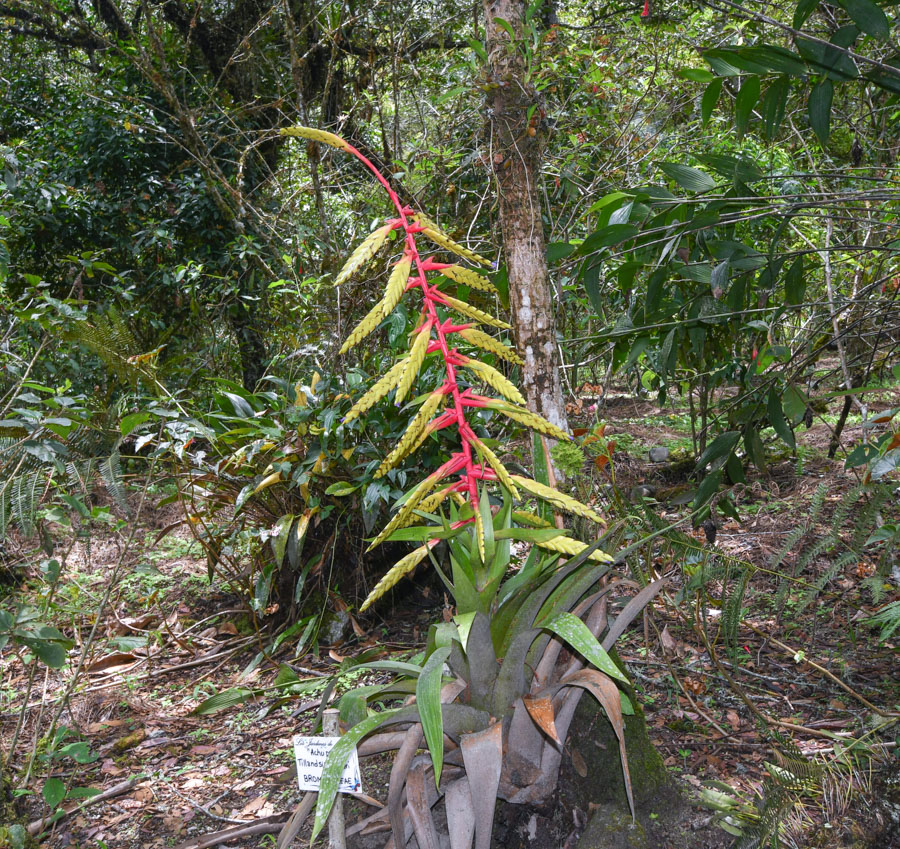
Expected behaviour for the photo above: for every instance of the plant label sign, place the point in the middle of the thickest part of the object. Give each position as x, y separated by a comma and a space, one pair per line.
310, 754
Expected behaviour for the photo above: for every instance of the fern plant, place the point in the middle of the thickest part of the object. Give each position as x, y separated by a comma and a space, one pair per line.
510, 695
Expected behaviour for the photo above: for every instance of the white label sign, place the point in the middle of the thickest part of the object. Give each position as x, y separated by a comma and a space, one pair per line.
310, 754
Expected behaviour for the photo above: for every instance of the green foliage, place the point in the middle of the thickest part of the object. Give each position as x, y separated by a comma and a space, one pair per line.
279, 493
23, 629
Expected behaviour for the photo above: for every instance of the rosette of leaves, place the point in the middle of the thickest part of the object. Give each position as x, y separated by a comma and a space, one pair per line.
494, 694
492, 682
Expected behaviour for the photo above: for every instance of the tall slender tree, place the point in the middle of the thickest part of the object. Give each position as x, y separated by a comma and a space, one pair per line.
516, 143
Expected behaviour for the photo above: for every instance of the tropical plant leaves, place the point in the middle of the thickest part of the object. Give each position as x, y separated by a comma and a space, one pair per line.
692, 179
570, 628
819, 108
337, 760
868, 16
428, 698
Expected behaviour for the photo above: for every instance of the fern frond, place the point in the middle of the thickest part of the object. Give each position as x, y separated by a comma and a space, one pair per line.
731, 615
572, 548
364, 253
25, 497
496, 380
888, 619
316, 136
482, 340
111, 472
474, 313
5, 511
835, 569
558, 499
378, 391
469, 278
498, 467
111, 339
411, 435
365, 327
79, 474
401, 568
414, 361
396, 286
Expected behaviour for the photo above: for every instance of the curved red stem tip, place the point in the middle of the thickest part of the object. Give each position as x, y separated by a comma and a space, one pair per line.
646, 12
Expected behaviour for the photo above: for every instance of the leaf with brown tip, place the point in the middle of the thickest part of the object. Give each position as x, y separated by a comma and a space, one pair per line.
540, 709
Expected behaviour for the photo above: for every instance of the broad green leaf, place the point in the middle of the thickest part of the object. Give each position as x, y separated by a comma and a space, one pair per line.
84, 792
707, 489
279, 538
773, 105
794, 404
754, 446
869, 17
342, 488
804, 9
51, 653
604, 237
820, 109
734, 167
746, 99
795, 283
836, 64
778, 421
428, 698
225, 699
558, 250
570, 628
53, 791
710, 99
720, 447
591, 278
691, 179
697, 75
464, 625
337, 760
776, 59
130, 422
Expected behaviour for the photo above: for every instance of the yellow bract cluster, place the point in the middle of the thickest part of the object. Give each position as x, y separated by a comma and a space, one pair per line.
488, 343
316, 135
496, 380
379, 390
363, 254
400, 568
558, 499
410, 439
572, 548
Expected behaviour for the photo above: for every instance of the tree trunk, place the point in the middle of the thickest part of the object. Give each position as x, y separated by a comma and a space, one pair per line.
516, 145
251, 345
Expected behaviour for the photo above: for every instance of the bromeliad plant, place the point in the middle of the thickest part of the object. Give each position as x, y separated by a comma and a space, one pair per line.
493, 695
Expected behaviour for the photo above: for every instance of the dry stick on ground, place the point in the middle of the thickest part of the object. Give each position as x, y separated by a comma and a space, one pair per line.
270, 825
739, 692
37, 826
823, 670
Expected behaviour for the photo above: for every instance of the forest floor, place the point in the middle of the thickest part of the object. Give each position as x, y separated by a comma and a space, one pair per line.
166, 641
